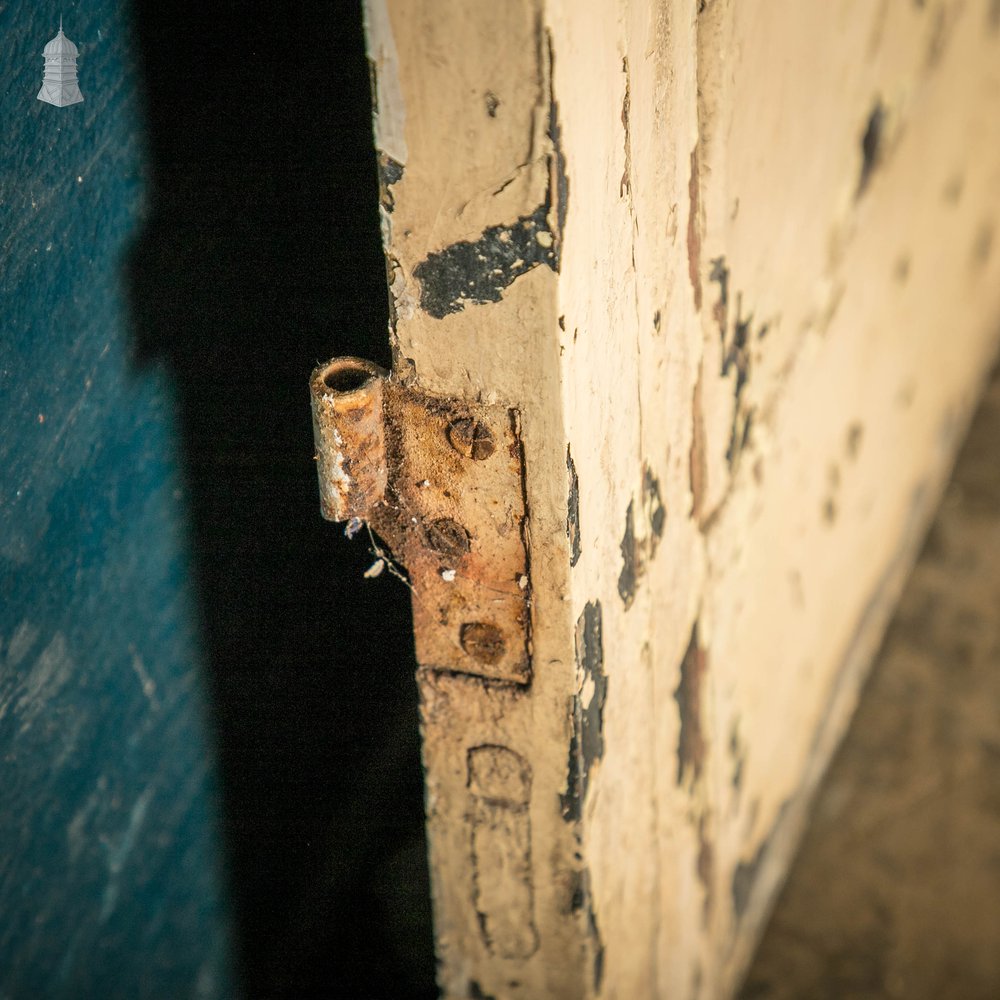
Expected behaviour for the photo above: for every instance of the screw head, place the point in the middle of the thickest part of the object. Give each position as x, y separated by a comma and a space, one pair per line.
471, 438
482, 641
447, 537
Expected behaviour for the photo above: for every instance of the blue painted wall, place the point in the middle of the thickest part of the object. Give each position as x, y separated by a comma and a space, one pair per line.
209, 760
111, 865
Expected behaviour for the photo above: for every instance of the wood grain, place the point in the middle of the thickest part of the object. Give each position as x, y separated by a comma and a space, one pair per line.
751, 304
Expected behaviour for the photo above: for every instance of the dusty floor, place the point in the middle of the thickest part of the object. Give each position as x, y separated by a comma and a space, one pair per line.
896, 889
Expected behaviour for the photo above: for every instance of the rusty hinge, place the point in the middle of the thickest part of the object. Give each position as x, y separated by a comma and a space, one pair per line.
441, 482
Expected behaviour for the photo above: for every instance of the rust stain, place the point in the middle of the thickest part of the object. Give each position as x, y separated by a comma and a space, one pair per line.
440, 482
350, 437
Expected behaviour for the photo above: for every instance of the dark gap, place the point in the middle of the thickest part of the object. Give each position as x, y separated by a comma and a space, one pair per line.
260, 258
871, 146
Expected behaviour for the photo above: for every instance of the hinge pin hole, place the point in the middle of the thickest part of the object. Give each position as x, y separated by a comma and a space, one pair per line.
344, 378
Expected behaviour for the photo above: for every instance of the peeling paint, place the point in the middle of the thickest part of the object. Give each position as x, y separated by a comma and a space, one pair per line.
737, 358
719, 275
597, 944
590, 662
638, 547
389, 111
587, 737
478, 271
390, 172
628, 579
558, 180
656, 513
582, 900
573, 510
691, 744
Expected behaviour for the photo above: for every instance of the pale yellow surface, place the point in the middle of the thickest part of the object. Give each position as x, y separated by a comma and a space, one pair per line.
880, 310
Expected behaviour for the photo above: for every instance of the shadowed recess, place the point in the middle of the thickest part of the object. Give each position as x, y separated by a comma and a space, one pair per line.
259, 259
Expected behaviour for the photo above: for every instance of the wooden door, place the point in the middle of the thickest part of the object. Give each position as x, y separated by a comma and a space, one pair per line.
716, 283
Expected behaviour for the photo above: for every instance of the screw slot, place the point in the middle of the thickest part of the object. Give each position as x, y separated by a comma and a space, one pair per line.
447, 537
471, 438
482, 641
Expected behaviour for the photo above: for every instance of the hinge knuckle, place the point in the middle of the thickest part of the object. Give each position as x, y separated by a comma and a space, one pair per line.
349, 430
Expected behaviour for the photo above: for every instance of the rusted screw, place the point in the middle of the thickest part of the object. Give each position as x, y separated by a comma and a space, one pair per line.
471, 438
447, 537
482, 641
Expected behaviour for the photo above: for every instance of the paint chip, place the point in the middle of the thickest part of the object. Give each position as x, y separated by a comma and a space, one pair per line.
375, 569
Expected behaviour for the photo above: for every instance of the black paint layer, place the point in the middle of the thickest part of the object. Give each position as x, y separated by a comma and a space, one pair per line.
655, 511
573, 510
587, 740
479, 271
628, 579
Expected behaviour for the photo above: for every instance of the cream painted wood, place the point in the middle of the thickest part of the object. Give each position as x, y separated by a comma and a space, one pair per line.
737, 262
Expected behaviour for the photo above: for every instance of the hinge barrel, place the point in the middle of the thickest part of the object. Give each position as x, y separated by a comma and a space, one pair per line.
349, 430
